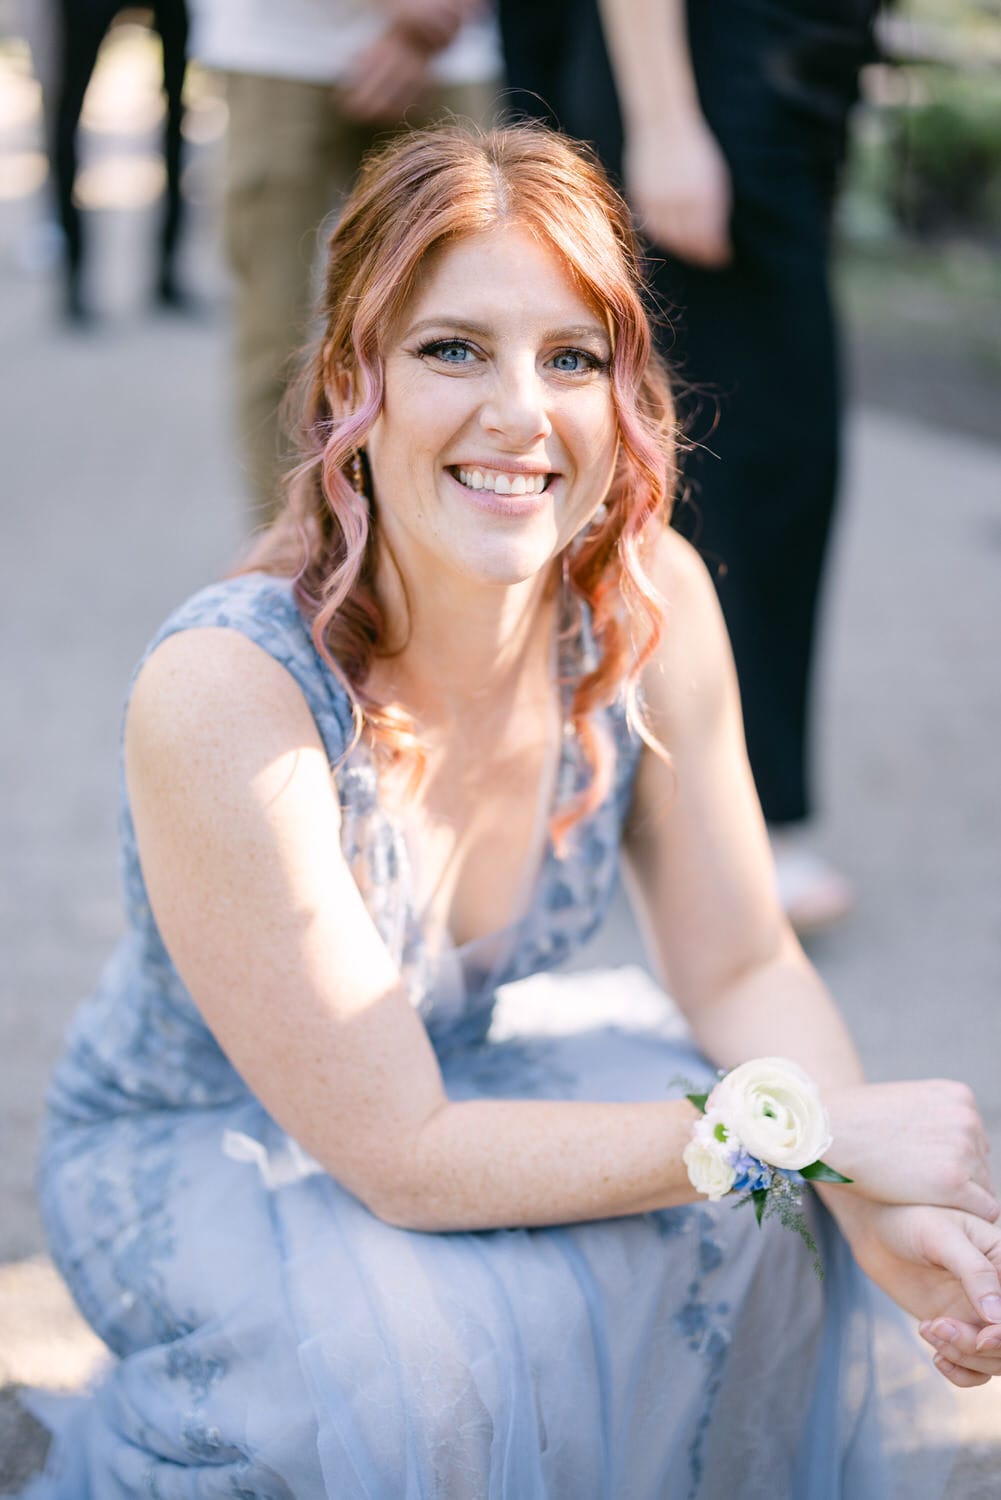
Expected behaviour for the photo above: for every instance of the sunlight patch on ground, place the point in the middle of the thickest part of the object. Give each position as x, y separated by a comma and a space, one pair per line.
43, 1339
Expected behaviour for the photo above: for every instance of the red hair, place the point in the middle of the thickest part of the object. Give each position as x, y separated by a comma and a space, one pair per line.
423, 191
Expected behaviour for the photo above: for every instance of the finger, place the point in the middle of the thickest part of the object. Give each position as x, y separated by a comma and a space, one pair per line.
699, 248
712, 253
989, 1339
705, 240
958, 1343
976, 1199
957, 1375
951, 1247
683, 229
710, 240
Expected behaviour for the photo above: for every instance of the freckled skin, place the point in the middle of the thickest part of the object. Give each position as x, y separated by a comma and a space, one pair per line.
498, 362
515, 386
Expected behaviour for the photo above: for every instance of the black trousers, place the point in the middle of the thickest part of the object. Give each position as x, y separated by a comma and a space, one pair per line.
752, 346
85, 24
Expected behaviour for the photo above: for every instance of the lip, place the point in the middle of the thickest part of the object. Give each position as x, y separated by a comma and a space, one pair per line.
529, 470
504, 505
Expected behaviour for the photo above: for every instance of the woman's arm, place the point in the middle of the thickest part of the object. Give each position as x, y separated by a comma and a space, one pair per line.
698, 857
237, 821
704, 887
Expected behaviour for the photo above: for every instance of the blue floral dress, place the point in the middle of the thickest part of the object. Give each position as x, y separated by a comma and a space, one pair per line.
272, 1338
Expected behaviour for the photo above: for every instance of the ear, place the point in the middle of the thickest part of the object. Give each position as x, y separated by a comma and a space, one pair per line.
339, 387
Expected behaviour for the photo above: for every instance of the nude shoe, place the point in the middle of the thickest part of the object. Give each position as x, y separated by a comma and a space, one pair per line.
814, 895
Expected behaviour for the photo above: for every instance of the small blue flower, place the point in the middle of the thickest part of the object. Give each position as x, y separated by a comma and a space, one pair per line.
752, 1175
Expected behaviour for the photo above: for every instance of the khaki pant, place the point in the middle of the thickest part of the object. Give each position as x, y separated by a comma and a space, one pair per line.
292, 160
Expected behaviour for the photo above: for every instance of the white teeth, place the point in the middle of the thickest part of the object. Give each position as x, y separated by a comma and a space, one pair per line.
502, 484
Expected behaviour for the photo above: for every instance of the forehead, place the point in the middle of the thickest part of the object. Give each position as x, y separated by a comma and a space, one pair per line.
504, 272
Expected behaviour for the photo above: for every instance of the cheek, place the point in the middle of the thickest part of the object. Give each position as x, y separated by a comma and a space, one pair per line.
597, 445
418, 421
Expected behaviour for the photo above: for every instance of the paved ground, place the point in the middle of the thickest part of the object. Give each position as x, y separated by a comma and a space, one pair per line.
120, 496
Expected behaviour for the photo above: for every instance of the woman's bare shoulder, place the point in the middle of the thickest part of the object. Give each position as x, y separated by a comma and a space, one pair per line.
691, 674
210, 696
680, 574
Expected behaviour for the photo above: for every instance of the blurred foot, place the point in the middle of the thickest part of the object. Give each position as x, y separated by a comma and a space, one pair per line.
172, 297
76, 310
814, 895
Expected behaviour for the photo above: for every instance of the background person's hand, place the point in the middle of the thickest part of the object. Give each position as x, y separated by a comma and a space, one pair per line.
432, 24
678, 184
942, 1266
920, 1142
387, 78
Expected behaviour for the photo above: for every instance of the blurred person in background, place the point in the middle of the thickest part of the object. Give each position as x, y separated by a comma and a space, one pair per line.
726, 124
81, 28
310, 88
41, 247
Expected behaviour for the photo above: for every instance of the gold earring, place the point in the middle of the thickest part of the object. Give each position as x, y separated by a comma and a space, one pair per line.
357, 473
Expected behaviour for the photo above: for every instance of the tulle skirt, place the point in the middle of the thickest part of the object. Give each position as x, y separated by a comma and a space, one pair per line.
273, 1339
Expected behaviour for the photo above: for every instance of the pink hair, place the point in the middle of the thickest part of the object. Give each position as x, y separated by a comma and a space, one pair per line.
423, 191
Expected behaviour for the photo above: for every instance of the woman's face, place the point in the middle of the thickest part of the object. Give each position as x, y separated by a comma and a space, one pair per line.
497, 437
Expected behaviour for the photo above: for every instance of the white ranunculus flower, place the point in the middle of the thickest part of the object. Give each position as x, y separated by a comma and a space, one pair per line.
708, 1163
775, 1110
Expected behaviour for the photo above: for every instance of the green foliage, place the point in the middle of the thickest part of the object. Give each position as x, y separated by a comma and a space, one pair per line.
946, 154
821, 1172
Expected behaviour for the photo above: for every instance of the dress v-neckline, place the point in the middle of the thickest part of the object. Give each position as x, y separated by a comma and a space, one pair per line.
554, 782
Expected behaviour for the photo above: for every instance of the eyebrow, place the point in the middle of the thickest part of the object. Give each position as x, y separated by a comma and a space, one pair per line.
551, 336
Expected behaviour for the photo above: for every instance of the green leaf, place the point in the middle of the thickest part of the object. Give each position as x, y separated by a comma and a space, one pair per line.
699, 1100
820, 1172
759, 1198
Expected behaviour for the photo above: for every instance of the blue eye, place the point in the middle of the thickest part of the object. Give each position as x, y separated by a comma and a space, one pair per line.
576, 362
450, 351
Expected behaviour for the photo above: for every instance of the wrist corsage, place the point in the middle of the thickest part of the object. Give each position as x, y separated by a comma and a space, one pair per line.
762, 1133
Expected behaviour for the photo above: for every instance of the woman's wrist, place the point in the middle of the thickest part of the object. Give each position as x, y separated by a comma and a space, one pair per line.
763, 1134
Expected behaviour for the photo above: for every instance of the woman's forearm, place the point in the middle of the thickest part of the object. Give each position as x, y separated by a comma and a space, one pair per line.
489, 1164
783, 1009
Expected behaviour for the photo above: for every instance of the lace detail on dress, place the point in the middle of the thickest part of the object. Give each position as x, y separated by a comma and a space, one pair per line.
157, 1047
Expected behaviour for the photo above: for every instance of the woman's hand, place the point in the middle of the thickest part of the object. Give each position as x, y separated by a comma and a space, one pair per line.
966, 1353
922, 1143
678, 184
942, 1266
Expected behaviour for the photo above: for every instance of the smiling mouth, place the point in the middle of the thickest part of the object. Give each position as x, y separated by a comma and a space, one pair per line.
499, 483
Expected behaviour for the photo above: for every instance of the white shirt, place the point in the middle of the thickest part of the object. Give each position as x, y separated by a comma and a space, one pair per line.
317, 40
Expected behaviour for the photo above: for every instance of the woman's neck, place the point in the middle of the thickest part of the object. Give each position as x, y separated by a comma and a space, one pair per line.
463, 647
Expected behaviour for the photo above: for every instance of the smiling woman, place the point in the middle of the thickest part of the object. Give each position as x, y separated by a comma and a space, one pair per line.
344, 1234
489, 398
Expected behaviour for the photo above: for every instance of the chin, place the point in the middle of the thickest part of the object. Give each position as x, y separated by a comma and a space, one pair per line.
506, 565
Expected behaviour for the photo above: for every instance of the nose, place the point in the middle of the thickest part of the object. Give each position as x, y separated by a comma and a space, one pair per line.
515, 411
